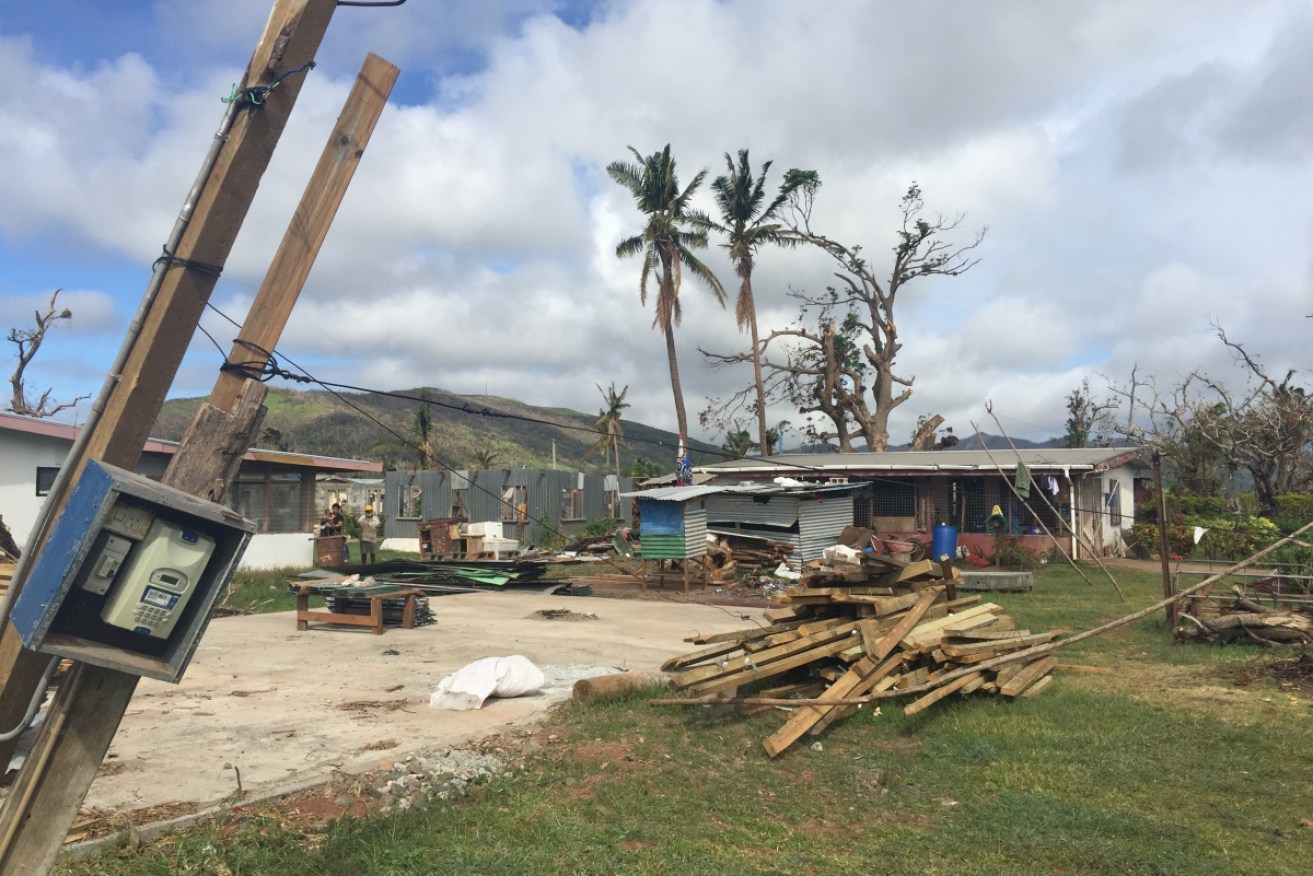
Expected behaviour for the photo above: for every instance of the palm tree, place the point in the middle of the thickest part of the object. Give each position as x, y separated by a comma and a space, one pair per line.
484, 458
746, 225
424, 434
672, 232
608, 423
738, 443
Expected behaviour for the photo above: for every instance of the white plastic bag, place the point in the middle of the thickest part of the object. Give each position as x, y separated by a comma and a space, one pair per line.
469, 686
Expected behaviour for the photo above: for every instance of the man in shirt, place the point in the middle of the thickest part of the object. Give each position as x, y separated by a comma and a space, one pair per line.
368, 536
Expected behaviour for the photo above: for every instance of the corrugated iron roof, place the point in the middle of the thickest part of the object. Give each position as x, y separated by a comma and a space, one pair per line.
684, 494
803, 464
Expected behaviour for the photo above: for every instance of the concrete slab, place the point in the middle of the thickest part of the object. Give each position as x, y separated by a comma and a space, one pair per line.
978, 579
284, 706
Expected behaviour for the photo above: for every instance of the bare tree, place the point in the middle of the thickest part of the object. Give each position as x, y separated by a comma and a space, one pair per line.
1208, 430
838, 360
28, 341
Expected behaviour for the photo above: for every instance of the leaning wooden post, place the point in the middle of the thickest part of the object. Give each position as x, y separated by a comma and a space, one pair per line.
1164, 546
90, 704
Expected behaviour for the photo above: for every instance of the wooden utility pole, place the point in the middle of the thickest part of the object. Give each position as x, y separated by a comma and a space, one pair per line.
296, 254
1164, 544
90, 704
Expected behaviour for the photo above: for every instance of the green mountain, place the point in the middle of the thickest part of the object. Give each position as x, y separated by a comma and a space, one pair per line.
383, 428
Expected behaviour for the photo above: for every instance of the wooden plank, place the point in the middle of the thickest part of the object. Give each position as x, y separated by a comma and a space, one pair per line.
1028, 676
807, 716
744, 635
894, 637
314, 215
698, 674
695, 657
771, 669
939, 693
1038, 687
997, 646
867, 684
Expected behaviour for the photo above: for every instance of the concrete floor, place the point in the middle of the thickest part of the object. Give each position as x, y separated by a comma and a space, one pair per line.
269, 700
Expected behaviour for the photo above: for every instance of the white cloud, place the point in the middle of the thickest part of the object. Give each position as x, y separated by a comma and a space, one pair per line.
1132, 161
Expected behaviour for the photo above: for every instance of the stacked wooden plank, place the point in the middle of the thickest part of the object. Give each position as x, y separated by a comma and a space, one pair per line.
750, 553
854, 629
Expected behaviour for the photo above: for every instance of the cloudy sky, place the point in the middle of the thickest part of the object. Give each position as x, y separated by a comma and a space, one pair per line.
1141, 168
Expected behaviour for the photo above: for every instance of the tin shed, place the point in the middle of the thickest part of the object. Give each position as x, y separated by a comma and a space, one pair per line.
810, 519
674, 522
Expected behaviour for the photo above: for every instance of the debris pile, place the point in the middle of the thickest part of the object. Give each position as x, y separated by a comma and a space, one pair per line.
1241, 619
859, 625
394, 609
750, 553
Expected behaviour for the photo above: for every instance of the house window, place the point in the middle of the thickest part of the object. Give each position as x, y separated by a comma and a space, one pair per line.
572, 504
45, 479
1113, 501
514, 504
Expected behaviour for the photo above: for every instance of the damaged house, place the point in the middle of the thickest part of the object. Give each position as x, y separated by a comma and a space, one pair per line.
1093, 491
529, 504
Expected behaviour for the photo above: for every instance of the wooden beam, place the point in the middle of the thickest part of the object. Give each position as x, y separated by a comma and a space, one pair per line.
290, 40
89, 706
305, 235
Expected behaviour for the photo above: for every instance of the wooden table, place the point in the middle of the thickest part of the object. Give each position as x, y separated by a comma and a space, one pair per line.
373, 620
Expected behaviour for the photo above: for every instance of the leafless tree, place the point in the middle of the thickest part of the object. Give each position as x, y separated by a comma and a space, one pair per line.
1207, 430
28, 341
838, 360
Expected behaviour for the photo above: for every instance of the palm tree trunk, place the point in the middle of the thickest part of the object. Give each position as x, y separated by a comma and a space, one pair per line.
680, 416
756, 371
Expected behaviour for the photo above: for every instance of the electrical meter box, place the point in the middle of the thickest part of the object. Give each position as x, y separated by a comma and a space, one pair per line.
130, 574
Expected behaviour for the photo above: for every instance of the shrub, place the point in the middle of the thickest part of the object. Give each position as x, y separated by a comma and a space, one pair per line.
1293, 511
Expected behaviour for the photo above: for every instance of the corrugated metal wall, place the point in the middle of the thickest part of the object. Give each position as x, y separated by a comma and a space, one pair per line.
768, 510
820, 521
545, 491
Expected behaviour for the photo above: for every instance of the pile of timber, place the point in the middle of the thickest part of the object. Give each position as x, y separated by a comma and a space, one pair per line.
393, 609
1240, 619
750, 553
880, 625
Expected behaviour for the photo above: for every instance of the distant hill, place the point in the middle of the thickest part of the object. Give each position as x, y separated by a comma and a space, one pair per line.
382, 428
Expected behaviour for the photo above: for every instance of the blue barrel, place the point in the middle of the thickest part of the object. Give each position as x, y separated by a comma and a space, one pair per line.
943, 541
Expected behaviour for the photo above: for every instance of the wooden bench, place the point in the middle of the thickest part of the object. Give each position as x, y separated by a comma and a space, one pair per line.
373, 620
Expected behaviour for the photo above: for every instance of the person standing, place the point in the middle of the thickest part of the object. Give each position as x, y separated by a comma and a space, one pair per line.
336, 526
368, 536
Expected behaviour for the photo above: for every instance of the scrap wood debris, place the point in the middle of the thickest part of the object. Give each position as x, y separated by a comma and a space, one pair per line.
1240, 619
861, 624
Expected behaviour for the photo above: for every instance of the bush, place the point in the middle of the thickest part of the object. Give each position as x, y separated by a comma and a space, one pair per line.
1293, 511
1142, 539
1013, 556
1233, 538
596, 527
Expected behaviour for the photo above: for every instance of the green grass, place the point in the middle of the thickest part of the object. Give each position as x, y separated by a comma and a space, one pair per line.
1162, 768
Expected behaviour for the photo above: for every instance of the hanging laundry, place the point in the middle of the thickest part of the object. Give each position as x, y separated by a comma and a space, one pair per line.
1023, 480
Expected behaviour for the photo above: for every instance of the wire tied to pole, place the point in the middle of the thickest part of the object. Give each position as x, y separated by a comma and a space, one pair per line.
205, 269
256, 95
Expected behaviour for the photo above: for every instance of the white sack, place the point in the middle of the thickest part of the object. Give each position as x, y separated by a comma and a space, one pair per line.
469, 686
841, 552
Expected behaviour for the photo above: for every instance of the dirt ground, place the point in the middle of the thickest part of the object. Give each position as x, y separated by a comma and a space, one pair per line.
264, 706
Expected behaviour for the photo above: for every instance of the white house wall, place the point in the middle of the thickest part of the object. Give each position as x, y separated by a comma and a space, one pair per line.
278, 550
19, 503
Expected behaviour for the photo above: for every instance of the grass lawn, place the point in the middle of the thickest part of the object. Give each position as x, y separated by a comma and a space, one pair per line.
1184, 761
